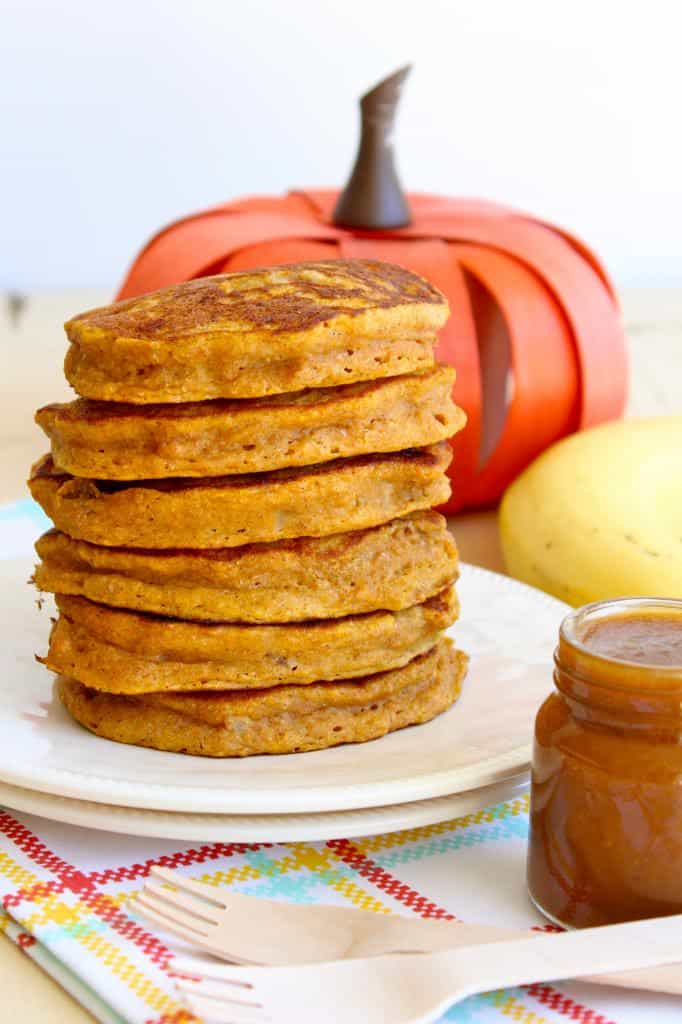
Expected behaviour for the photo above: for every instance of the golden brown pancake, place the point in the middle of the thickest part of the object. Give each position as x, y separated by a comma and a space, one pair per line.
216, 512
114, 441
133, 652
259, 332
392, 566
283, 720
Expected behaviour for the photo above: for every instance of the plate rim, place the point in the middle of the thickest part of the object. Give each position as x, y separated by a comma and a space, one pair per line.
366, 795
259, 828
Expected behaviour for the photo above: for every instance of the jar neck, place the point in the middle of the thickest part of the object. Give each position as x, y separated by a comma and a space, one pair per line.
608, 688
610, 705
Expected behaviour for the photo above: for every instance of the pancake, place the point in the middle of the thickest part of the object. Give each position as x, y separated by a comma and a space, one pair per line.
390, 567
115, 441
132, 652
216, 512
259, 332
284, 720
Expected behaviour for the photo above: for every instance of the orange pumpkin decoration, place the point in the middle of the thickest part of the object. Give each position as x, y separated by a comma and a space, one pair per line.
535, 331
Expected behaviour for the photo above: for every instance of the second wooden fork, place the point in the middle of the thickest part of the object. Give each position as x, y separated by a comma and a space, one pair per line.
418, 988
250, 930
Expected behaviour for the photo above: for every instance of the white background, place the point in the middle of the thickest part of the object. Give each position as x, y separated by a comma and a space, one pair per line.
117, 117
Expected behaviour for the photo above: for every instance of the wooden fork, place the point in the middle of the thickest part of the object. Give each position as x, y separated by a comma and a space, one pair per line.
250, 930
418, 988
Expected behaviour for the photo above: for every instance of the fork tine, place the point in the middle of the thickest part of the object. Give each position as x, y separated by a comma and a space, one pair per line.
205, 969
188, 903
207, 892
225, 991
224, 1012
231, 974
170, 922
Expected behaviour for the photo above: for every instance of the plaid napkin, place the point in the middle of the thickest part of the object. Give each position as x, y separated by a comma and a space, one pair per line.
65, 891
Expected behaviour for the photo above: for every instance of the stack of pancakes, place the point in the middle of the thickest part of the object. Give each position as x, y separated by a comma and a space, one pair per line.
246, 560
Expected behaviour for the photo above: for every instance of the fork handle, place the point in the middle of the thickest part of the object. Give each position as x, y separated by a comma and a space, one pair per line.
419, 935
551, 957
397, 934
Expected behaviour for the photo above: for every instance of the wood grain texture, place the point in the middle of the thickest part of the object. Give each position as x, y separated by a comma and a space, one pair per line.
30, 996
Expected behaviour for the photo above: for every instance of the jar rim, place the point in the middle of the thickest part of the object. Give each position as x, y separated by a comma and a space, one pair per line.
596, 610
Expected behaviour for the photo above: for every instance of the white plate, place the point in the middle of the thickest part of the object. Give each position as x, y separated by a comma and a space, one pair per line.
509, 629
263, 828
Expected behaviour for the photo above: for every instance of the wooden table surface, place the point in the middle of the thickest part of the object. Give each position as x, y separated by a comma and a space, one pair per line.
32, 338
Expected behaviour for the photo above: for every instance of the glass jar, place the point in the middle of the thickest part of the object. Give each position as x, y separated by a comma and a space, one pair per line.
606, 799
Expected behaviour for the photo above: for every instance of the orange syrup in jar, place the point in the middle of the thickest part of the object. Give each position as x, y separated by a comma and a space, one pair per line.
606, 799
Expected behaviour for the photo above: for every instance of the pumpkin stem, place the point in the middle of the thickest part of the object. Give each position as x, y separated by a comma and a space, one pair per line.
373, 198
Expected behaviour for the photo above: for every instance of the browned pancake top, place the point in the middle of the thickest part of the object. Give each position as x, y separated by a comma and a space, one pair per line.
325, 549
91, 410
431, 456
289, 298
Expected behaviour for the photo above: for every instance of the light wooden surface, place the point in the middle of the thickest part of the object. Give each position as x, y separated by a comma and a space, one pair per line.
33, 346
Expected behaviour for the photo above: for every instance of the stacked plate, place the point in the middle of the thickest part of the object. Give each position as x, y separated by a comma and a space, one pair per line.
470, 757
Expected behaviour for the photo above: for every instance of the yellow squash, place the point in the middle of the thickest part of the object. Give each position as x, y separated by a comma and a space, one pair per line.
599, 514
